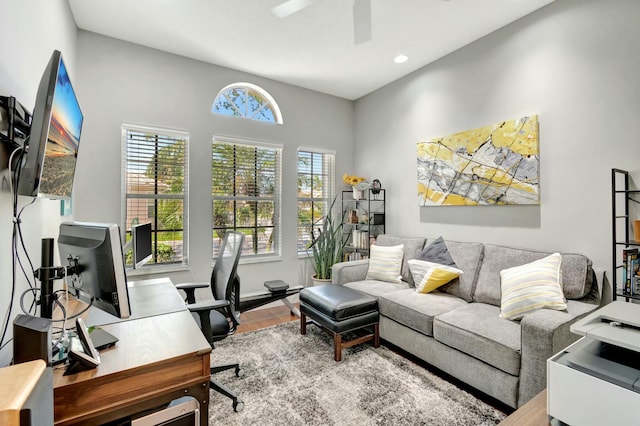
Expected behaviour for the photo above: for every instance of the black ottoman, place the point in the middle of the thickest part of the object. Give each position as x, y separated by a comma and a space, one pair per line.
338, 309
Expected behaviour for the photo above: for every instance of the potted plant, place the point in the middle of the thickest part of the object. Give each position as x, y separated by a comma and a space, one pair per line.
326, 245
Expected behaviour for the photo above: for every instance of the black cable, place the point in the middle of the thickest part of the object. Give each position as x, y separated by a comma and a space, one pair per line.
14, 189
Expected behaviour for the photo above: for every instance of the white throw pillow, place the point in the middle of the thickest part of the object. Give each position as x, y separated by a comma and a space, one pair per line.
531, 287
428, 276
385, 263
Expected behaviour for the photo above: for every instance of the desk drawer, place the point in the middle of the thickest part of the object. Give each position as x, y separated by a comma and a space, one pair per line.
130, 391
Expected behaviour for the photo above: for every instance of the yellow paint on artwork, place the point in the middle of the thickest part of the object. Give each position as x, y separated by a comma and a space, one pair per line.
435, 196
523, 187
458, 200
428, 193
422, 149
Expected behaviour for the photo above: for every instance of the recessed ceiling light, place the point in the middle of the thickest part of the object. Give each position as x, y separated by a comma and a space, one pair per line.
400, 59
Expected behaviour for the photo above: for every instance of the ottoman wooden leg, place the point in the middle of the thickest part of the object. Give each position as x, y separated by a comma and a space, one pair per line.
337, 347
303, 323
376, 335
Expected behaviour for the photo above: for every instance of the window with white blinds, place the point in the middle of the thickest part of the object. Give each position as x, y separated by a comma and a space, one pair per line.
315, 191
245, 191
155, 189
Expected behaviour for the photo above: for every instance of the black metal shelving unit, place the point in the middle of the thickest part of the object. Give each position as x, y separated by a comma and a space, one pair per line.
371, 221
621, 196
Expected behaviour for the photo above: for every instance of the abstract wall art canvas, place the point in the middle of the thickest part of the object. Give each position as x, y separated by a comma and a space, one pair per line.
491, 165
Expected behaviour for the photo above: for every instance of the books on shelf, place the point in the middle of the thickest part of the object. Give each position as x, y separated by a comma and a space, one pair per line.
360, 239
630, 271
354, 256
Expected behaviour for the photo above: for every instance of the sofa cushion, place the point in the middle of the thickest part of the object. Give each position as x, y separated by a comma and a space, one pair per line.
412, 246
468, 257
576, 271
428, 276
385, 263
416, 310
376, 287
436, 252
476, 330
530, 287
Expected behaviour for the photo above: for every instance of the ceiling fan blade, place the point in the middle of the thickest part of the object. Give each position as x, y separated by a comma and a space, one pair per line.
290, 7
361, 21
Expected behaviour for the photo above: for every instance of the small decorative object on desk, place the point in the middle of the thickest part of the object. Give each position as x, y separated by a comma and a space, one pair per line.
358, 184
375, 188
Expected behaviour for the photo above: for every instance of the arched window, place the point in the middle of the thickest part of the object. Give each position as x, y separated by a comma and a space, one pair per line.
249, 101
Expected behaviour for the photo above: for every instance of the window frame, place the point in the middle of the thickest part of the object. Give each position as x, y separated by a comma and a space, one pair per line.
331, 193
169, 133
269, 102
247, 257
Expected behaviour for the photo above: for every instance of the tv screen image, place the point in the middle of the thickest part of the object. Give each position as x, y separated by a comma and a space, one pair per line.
96, 252
49, 167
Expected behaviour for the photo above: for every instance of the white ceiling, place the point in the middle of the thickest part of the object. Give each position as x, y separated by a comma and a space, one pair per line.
313, 48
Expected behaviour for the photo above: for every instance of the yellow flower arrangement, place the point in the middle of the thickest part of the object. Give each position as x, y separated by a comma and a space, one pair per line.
352, 180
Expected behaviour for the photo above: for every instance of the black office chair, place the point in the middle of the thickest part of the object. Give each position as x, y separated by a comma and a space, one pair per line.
219, 318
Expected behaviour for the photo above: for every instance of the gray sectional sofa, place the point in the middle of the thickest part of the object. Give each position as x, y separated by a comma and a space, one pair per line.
458, 329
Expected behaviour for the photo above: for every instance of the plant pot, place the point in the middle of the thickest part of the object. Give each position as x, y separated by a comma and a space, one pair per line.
318, 281
358, 194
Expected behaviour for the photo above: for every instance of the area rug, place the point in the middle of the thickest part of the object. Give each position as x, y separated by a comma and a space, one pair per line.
290, 379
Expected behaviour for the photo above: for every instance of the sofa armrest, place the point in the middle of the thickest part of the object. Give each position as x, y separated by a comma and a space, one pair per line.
346, 272
543, 334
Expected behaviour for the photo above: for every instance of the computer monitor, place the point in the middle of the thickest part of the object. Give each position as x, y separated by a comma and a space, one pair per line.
141, 243
94, 251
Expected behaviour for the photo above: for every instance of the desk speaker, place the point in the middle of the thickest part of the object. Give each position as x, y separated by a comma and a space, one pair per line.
31, 339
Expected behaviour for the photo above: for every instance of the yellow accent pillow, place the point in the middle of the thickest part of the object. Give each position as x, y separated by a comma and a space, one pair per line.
428, 276
533, 286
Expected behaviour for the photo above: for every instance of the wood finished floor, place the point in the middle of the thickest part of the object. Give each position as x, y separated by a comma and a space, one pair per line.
262, 318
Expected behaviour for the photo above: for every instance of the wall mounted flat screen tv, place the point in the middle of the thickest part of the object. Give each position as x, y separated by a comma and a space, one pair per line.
49, 165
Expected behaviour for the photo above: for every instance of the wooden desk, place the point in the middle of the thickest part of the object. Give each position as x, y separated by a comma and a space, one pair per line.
533, 413
157, 359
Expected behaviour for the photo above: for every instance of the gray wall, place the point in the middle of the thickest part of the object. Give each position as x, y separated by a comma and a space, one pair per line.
123, 82
30, 31
574, 63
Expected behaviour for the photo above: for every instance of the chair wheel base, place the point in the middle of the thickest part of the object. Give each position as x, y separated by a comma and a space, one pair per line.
238, 405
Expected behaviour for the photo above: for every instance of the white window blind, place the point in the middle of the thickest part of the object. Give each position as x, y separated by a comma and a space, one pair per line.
245, 190
155, 189
315, 191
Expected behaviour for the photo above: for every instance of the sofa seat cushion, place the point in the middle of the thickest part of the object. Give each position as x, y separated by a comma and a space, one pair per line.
476, 330
417, 310
376, 287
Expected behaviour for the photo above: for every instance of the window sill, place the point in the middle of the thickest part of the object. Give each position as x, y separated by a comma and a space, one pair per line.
260, 259
155, 270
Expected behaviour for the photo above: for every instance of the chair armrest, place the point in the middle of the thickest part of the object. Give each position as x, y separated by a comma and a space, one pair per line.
183, 286
346, 272
209, 305
190, 289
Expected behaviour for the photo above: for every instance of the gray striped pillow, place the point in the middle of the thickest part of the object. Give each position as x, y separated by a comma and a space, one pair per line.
532, 286
385, 263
